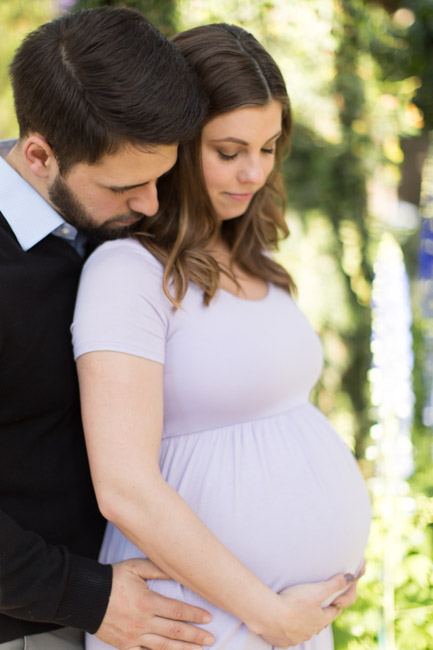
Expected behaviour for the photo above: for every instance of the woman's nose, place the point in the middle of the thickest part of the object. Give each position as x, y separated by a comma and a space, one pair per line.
252, 172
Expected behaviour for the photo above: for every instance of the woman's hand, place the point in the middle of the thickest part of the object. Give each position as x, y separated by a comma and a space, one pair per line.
304, 614
301, 615
349, 596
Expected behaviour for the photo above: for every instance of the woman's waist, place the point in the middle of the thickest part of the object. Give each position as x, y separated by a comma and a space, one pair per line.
192, 422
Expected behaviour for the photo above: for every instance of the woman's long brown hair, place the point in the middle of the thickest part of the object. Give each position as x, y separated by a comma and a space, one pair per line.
235, 71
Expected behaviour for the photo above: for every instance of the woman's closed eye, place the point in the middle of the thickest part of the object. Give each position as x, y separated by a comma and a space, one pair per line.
226, 156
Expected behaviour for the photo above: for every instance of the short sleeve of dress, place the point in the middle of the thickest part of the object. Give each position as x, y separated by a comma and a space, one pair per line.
121, 305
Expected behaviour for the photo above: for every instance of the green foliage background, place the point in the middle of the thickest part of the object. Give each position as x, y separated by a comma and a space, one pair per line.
360, 76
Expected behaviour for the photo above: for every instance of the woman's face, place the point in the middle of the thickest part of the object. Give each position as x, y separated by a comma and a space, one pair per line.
238, 154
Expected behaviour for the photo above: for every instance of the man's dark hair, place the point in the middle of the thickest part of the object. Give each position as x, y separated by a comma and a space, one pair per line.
93, 81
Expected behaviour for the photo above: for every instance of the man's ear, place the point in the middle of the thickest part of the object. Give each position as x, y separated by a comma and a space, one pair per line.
39, 157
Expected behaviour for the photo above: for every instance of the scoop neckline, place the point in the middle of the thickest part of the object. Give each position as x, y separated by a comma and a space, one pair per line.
252, 300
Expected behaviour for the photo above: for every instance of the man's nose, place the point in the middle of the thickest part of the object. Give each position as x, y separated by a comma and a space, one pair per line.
145, 200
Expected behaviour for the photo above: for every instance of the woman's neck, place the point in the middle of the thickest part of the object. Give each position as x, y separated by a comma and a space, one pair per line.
232, 278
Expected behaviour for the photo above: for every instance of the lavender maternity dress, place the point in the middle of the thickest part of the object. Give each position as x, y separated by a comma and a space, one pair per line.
241, 443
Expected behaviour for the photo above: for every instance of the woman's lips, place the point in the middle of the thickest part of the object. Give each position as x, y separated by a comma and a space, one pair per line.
240, 197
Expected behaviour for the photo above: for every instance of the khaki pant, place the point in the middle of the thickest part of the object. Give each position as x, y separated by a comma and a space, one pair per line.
66, 638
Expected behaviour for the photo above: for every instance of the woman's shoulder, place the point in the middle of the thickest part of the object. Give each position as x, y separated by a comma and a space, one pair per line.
124, 248
127, 252
123, 267
121, 305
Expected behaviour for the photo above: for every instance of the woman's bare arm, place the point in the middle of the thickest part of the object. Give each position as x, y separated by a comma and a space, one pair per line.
122, 404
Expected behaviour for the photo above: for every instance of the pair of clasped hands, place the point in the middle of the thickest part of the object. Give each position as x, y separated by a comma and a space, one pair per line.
138, 618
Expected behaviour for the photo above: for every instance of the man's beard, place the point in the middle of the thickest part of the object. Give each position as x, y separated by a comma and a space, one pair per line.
75, 214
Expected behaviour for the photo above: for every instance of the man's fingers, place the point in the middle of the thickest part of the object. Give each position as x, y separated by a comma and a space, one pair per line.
178, 611
180, 631
156, 642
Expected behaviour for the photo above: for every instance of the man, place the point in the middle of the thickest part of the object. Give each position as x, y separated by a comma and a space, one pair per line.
102, 100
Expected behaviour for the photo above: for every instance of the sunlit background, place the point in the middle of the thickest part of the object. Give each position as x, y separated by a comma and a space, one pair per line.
360, 188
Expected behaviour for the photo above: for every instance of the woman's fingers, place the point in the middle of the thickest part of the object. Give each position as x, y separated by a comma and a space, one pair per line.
349, 596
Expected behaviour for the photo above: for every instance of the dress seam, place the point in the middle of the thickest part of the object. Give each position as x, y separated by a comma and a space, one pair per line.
238, 422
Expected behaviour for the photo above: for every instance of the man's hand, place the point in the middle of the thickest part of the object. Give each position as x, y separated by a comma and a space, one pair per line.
137, 617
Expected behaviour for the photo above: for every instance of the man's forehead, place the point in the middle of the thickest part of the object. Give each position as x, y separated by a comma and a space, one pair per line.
129, 167
138, 155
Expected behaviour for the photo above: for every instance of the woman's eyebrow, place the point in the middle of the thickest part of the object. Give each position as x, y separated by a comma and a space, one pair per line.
230, 139
239, 141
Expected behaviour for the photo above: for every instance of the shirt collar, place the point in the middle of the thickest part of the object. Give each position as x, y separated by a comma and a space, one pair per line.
28, 214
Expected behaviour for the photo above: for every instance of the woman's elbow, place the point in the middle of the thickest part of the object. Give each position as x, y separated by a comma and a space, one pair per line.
111, 502
122, 502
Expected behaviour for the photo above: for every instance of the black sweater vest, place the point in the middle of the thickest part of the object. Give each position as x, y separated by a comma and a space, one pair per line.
45, 575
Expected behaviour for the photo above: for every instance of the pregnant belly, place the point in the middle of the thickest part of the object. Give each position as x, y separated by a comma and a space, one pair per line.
284, 494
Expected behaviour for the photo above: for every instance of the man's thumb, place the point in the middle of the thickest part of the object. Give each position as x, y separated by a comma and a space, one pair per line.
147, 570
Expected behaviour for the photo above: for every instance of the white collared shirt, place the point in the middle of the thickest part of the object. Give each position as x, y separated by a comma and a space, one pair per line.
27, 213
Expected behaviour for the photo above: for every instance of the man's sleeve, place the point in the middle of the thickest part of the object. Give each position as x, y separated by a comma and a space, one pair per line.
43, 583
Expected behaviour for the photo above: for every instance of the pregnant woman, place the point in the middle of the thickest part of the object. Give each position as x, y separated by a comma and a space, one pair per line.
195, 368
